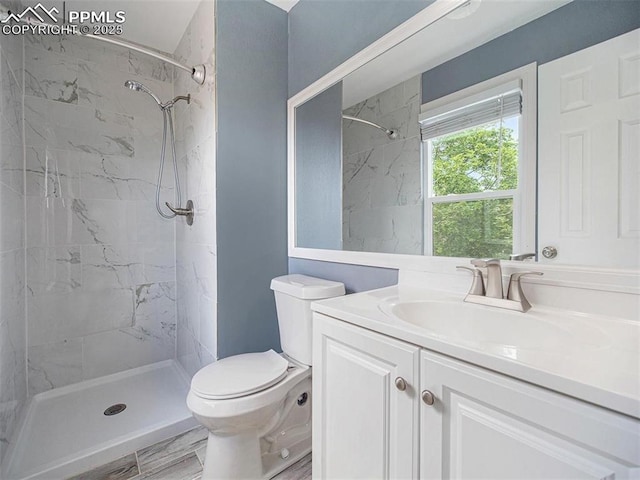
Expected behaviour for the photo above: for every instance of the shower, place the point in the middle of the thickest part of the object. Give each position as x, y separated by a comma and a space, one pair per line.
167, 117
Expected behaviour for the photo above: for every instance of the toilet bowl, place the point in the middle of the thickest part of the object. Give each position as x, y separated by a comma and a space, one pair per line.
257, 406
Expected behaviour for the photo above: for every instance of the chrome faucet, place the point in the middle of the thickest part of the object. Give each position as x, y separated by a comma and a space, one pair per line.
494, 294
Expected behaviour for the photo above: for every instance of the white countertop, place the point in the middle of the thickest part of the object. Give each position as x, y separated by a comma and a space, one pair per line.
601, 367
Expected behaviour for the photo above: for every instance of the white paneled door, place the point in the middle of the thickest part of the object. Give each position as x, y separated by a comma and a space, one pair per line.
589, 155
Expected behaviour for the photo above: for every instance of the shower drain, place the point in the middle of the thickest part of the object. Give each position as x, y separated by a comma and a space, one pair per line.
115, 409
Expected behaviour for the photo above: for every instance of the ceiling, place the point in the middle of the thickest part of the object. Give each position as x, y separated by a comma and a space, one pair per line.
285, 5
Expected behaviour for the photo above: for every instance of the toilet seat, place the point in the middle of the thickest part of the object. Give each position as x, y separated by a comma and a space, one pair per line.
239, 375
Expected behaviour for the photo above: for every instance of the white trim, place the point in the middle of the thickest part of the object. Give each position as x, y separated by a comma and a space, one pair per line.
470, 197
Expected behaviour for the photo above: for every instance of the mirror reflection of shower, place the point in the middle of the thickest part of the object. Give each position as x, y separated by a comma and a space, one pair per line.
168, 121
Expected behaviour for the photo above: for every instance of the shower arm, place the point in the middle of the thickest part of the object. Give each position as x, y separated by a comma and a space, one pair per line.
392, 134
198, 72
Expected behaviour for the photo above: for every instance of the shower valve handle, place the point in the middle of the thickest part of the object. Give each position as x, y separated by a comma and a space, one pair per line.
187, 212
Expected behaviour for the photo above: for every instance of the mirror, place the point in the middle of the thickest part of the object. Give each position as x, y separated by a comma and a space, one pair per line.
497, 130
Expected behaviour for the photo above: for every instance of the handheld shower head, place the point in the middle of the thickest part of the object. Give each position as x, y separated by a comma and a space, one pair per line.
139, 87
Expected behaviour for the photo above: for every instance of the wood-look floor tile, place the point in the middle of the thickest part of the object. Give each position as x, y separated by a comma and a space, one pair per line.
121, 469
301, 470
163, 452
201, 453
184, 468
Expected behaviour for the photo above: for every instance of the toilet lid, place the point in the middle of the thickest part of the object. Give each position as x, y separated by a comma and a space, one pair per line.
239, 375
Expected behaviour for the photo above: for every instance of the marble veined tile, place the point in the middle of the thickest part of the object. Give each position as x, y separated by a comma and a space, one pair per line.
72, 127
158, 261
162, 453
12, 284
59, 221
356, 195
155, 310
107, 177
209, 324
123, 468
117, 350
111, 266
11, 158
138, 64
102, 86
361, 165
184, 468
192, 355
51, 76
198, 39
54, 365
11, 219
399, 179
10, 98
13, 50
52, 270
54, 318
51, 173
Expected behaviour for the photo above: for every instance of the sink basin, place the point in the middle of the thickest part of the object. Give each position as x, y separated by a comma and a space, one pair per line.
461, 322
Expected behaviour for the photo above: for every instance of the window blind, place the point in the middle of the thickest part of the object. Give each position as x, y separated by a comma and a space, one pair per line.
485, 111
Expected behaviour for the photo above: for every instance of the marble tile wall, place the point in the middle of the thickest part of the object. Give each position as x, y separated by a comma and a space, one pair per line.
100, 262
382, 180
13, 374
196, 245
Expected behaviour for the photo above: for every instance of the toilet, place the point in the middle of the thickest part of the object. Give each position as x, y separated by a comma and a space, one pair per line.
257, 406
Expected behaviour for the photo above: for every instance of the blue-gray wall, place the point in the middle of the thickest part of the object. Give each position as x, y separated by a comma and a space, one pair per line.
356, 278
575, 26
251, 66
329, 32
325, 33
319, 171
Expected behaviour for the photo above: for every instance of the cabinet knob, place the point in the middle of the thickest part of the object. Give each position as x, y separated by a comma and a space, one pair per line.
401, 384
428, 397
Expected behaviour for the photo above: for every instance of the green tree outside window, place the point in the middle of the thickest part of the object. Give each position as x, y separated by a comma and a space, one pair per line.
479, 159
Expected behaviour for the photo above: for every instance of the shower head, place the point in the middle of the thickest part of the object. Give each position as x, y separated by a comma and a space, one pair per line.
139, 87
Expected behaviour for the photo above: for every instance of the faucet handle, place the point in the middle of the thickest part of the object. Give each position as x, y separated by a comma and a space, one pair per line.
515, 277
515, 292
484, 262
477, 285
519, 257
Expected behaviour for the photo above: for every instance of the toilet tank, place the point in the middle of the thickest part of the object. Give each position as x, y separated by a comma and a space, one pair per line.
294, 295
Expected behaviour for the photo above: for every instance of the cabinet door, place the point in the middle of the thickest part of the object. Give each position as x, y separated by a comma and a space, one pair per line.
364, 426
485, 425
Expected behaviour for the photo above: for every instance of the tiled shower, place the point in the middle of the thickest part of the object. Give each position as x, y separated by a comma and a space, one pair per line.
94, 282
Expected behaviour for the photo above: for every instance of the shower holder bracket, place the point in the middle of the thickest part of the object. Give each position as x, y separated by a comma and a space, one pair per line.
185, 212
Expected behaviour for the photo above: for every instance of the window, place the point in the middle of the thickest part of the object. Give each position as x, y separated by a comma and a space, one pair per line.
474, 165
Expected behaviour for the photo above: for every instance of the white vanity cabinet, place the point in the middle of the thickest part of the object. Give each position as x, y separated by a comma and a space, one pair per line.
481, 424
486, 425
365, 417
